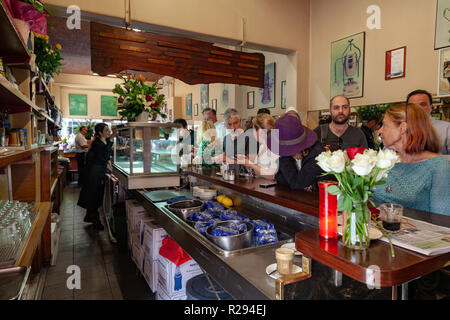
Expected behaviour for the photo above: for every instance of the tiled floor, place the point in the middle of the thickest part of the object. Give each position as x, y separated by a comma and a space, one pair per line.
106, 271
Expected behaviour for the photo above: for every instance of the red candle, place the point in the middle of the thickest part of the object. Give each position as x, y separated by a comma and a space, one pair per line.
327, 211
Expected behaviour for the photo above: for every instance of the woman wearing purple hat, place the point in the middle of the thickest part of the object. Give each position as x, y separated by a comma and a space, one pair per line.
292, 141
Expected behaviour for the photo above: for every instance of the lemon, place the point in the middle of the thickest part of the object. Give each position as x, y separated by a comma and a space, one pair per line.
227, 202
220, 198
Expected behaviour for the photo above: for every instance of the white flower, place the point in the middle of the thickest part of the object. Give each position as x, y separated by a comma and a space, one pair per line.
386, 159
322, 161
381, 175
371, 153
363, 164
337, 161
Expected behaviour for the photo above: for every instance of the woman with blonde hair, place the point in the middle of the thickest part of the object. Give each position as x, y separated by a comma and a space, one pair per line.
422, 179
207, 144
265, 163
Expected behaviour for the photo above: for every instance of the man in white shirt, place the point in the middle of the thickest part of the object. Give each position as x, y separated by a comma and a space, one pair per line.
211, 115
81, 147
423, 99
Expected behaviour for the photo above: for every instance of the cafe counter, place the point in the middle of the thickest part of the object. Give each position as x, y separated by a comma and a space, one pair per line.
330, 270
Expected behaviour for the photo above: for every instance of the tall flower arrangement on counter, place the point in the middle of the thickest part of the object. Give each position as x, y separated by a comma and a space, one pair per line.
358, 171
136, 97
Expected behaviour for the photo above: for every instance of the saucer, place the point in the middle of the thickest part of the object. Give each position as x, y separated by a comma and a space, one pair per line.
291, 245
272, 272
374, 233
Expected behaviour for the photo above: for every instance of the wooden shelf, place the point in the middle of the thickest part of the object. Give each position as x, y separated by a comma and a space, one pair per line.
17, 156
14, 100
12, 47
34, 236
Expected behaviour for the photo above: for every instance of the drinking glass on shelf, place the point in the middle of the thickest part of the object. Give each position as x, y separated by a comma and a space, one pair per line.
391, 214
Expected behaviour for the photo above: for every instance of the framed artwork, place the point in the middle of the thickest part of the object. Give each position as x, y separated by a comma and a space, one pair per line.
214, 104
224, 98
395, 66
267, 95
283, 94
444, 73
442, 28
250, 99
204, 96
196, 109
188, 106
108, 106
347, 66
78, 104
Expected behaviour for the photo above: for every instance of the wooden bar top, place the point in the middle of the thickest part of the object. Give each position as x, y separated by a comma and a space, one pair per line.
306, 202
405, 266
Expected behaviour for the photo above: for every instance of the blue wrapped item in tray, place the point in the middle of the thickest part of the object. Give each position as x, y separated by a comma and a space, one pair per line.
202, 225
209, 204
266, 236
228, 215
240, 227
221, 231
199, 216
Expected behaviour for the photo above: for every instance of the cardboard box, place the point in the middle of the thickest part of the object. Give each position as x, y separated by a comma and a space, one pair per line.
137, 255
150, 273
173, 279
143, 224
162, 295
135, 213
153, 237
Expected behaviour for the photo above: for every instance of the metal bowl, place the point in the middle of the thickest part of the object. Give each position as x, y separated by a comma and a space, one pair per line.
186, 207
230, 243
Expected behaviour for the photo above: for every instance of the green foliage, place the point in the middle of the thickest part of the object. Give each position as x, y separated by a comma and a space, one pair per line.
90, 125
365, 112
135, 97
47, 59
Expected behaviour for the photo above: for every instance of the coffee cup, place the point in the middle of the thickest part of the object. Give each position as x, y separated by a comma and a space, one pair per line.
285, 259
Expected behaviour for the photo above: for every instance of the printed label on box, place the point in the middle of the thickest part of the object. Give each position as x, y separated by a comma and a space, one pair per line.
162, 295
173, 278
150, 273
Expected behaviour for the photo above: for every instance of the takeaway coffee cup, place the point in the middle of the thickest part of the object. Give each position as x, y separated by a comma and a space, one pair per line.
285, 258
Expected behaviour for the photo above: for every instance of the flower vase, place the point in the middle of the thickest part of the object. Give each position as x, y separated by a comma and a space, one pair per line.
143, 117
355, 232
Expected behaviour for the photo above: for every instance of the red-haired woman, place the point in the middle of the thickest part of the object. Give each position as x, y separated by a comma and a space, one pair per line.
422, 179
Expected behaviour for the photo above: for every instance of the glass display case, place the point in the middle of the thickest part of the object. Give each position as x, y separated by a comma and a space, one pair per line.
145, 155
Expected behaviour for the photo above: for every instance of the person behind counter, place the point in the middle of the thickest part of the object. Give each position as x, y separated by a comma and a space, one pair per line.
91, 195
423, 99
422, 179
339, 134
369, 129
208, 144
295, 142
265, 163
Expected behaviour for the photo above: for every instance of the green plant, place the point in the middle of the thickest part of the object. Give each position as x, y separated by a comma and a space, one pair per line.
90, 125
135, 97
365, 112
47, 59
38, 6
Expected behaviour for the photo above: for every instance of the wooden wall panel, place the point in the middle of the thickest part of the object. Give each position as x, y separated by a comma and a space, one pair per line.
116, 49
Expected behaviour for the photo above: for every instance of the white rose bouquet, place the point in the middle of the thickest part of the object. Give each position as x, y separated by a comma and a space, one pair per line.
358, 171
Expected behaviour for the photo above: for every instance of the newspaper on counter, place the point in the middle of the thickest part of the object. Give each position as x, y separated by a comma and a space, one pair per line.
426, 238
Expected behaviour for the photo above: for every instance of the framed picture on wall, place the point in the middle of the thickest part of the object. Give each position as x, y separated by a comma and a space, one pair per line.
214, 104
188, 106
204, 96
283, 94
444, 73
395, 63
347, 66
250, 99
78, 104
442, 28
267, 95
108, 106
196, 109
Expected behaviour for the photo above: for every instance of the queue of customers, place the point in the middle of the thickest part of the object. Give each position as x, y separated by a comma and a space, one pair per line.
420, 181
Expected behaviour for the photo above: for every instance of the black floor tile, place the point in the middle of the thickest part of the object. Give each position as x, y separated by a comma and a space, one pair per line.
57, 292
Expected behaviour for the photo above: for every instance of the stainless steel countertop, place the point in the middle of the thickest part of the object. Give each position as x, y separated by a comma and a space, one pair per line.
242, 275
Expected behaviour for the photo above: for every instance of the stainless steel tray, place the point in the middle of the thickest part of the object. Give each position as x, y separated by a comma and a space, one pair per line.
282, 237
